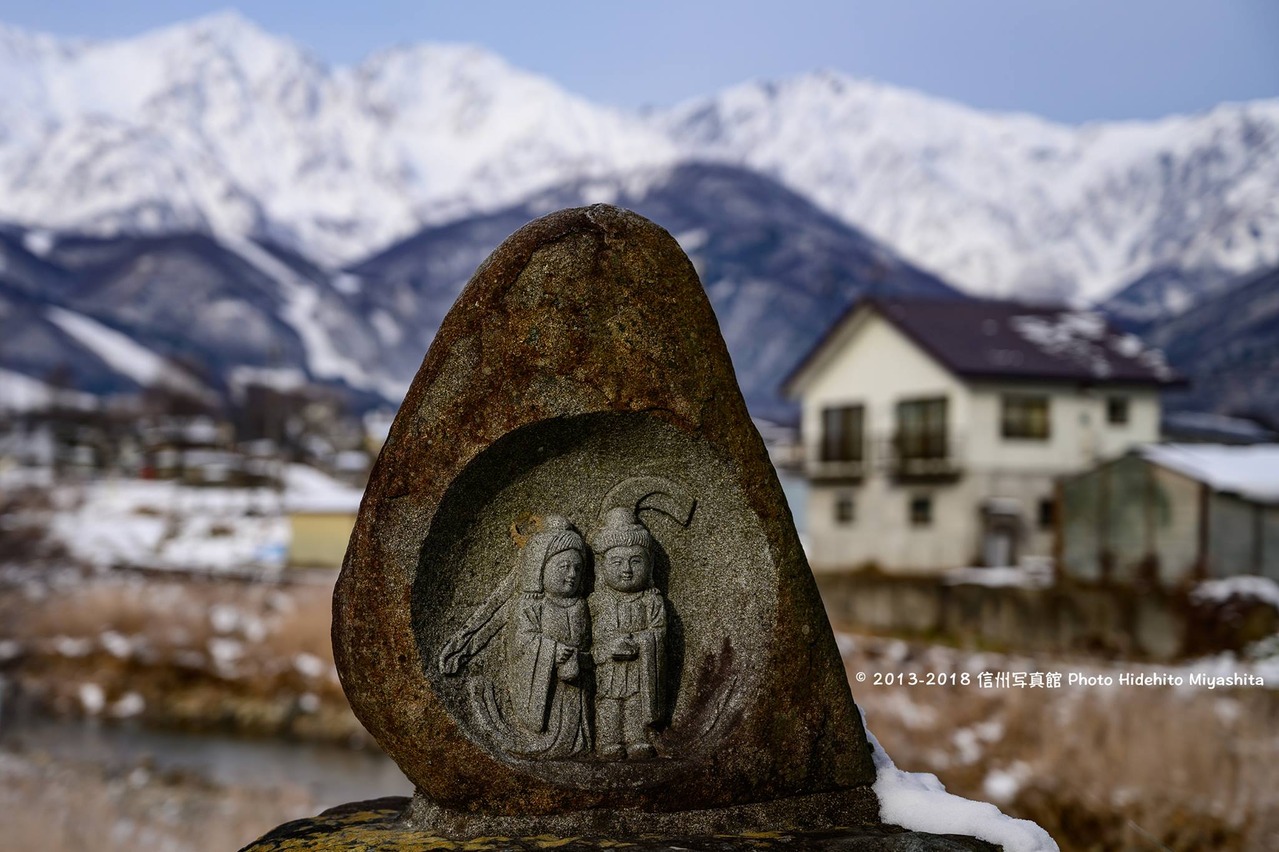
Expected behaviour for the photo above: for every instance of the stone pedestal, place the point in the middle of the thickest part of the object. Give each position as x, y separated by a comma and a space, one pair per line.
380, 824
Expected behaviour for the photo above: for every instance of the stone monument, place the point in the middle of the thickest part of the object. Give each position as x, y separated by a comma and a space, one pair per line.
574, 608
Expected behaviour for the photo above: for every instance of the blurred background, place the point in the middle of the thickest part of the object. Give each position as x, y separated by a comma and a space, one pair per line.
1000, 281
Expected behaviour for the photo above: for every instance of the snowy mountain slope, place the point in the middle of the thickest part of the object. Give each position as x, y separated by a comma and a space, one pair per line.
191, 311
31, 344
776, 269
225, 310
1229, 349
1009, 205
1166, 292
216, 125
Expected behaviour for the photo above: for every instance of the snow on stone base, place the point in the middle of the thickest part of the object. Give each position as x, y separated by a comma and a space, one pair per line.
919, 802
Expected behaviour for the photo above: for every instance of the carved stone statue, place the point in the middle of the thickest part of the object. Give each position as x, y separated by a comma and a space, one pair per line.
506, 682
546, 675
629, 617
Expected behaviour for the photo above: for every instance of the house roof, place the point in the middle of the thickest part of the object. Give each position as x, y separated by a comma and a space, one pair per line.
309, 491
986, 339
1251, 472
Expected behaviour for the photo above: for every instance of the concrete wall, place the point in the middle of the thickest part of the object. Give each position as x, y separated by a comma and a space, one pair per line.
1108, 621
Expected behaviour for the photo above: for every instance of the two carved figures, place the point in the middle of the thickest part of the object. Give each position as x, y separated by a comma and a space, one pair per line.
584, 673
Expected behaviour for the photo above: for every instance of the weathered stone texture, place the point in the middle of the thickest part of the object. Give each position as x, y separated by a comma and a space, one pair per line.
584, 352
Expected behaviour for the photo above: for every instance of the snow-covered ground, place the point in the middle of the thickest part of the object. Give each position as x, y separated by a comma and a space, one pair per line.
137, 523
166, 525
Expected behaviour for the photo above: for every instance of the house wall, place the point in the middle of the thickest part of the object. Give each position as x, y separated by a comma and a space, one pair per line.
1079, 435
319, 539
881, 533
878, 366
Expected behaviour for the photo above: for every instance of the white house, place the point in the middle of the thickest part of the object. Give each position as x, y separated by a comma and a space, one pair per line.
934, 430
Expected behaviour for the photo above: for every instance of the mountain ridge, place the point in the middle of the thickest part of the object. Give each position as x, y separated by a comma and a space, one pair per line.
219, 125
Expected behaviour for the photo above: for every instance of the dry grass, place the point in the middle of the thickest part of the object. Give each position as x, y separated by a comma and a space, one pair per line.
224, 656
1120, 768
1125, 768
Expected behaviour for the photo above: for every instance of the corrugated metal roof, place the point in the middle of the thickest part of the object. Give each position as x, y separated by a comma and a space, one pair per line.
1252, 472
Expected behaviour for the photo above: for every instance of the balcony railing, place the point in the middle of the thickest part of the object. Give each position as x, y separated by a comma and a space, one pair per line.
934, 458
921, 457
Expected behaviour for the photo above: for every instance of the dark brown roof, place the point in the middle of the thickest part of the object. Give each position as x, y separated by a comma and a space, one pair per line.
984, 339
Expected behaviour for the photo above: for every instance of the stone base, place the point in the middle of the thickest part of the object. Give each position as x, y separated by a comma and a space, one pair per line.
388, 825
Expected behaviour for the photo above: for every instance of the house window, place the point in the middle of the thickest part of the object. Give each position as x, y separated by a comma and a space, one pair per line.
1047, 513
1117, 410
842, 438
921, 511
1025, 416
921, 429
845, 508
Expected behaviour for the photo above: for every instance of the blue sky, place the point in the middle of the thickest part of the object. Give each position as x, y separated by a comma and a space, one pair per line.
1071, 61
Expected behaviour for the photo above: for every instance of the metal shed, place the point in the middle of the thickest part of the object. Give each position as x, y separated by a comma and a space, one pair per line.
1171, 514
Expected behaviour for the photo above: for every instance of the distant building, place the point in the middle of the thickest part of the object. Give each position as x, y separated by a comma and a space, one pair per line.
933, 431
1202, 427
321, 514
1173, 514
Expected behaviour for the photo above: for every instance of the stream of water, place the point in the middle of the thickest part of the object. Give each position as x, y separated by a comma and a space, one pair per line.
332, 774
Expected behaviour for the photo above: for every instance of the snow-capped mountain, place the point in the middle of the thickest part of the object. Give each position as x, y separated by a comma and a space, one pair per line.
1010, 205
212, 314
218, 126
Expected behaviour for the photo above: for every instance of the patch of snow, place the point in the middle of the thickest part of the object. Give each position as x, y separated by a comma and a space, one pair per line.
68, 646
386, 327
129, 705
309, 490
347, 284
38, 241
308, 665
123, 354
1251, 587
1002, 785
22, 393
918, 801
691, 241
224, 618
117, 644
283, 379
10, 649
308, 702
92, 698
971, 741
1251, 472
225, 653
